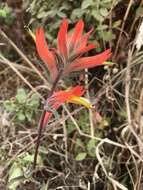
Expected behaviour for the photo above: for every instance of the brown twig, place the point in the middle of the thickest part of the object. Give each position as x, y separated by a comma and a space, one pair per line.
24, 57
12, 66
122, 27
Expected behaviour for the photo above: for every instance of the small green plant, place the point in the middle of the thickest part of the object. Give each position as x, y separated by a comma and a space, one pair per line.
6, 15
22, 108
95, 12
85, 147
98, 12
19, 171
83, 122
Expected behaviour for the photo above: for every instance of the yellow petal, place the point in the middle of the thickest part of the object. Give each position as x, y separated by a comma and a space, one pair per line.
108, 63
31, 33
80, 100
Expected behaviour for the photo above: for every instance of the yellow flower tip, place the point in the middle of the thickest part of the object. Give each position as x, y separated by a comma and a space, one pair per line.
80, 100
31, 33
108, 63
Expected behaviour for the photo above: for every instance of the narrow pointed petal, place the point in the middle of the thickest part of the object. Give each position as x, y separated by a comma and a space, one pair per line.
60, 97
63, 96
62, 39
88, 62
76, 36
80, 52
84, 39
85, 49
44, 53
77, 91
81, 101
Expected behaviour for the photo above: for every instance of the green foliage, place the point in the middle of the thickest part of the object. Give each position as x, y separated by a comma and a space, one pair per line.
83, 122
94, 12
19, 172
6, 15
86, 3
81, 156
85, 147
22, 108
91, 145
15, 174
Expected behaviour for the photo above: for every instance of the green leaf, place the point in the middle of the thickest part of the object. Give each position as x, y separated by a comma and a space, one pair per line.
28, 159
103, 12
77, 13
6, 15
84, 121
21, 96
9, 20
70, 127
34, 102
79, 142
107, 36
107, 1
96, 14
86, 3
116, 23
15, 173
102, 27
29, 115
42, 15
9, 106
61, 14
3, 13
91, 145
81, 156
21, 116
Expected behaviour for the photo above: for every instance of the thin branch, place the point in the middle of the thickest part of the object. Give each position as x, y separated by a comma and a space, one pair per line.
122, 27
24, 58
12, 66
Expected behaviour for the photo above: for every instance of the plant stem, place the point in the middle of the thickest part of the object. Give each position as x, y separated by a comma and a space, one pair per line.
40, 126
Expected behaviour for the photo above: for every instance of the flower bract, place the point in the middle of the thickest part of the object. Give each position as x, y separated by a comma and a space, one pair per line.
72, 95
70, 50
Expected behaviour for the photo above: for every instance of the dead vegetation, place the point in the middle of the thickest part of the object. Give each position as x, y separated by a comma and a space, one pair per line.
76, 151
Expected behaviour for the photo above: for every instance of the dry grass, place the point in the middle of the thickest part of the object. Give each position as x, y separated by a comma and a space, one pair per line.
118, 160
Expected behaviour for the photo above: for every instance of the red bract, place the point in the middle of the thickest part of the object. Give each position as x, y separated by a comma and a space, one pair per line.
88, 62
62, 40
46, 55
70, 48
74, 44
71, 96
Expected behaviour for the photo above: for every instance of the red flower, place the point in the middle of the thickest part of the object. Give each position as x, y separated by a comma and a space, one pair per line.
71, 96
74, 45
70, 48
